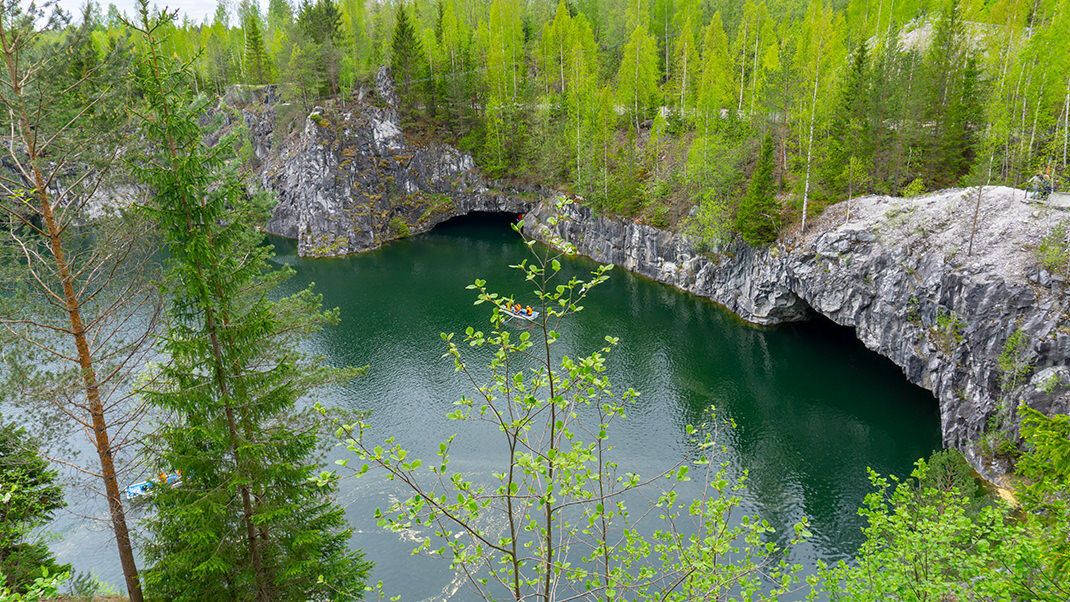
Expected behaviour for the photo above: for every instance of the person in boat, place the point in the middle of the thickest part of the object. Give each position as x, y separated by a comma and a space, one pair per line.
527, 310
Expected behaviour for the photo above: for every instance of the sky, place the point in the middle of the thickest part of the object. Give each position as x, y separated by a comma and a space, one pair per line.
197, 10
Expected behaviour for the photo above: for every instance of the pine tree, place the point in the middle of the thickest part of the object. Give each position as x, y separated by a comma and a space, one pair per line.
246, 521
758, 217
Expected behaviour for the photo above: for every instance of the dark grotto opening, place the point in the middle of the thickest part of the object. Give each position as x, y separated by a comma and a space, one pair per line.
486, 219
823, 333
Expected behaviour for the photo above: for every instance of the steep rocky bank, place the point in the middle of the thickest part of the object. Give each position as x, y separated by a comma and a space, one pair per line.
351, 179
898, 273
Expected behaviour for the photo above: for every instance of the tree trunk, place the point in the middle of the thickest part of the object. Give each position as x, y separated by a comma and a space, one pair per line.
742, 67
1066, 121
810, 146
73, 308
89, 383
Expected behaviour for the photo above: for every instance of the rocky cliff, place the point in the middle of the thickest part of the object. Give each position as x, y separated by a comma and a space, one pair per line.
350, 179
898, 273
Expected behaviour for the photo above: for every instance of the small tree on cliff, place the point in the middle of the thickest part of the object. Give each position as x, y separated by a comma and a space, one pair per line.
758, 217
245, 522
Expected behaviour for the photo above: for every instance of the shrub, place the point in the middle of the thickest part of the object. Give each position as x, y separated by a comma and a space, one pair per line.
1053, 251
915, 188
399, 227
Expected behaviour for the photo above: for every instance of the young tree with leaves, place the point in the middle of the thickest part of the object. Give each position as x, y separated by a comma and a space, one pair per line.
566, 528
245, 521
637, 78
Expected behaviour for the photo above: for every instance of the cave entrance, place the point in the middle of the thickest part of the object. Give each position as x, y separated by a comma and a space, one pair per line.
478, 219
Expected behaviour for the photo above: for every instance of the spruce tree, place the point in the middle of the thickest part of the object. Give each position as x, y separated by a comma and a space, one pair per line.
406, 60
757, 219
28, 498
245, 522
850, 133
257, 62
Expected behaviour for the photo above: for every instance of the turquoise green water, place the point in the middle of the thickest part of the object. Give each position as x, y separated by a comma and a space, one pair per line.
813, 407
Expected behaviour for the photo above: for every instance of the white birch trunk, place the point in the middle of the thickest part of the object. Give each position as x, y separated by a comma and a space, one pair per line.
810, 145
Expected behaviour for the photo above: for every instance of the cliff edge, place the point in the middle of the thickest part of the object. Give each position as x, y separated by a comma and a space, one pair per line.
350, 179
898, 272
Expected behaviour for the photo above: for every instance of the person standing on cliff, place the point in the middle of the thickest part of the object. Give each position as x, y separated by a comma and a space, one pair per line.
1040, 185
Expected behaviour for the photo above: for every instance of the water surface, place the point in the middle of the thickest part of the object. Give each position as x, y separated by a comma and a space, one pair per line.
812, 407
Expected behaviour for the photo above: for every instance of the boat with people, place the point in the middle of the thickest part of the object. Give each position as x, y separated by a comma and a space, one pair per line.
145, 487
515, 310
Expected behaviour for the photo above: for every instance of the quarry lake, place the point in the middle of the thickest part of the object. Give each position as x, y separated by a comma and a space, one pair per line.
812, 407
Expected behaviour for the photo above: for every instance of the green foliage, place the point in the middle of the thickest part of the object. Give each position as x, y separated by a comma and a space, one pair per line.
838, 89
257, 61
561, 501
638, 75
930, 540
86, 586
915, 188
1053, 252
948, 471
1045, 473
29, 497
399, 227
322, 21
948, 330
43, 587
924, 543
850, 145
246, 520
406, 60
758, 218
1013, 361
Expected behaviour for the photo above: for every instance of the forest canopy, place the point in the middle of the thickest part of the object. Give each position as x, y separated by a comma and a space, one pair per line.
658, 109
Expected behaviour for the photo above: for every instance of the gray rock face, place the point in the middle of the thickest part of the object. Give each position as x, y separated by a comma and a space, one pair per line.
898, 271
351, 179
943, 320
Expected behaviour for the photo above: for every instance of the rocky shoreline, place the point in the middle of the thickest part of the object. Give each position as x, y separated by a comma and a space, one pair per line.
909, 293
897, 271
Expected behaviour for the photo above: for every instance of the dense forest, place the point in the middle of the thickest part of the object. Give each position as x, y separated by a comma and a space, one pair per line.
155, 330
658, 109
